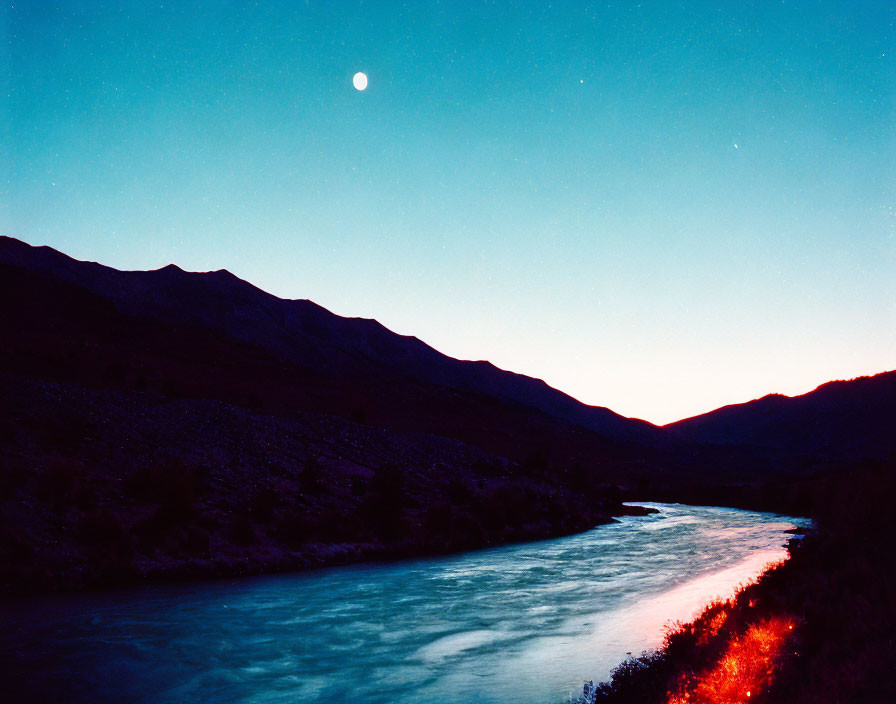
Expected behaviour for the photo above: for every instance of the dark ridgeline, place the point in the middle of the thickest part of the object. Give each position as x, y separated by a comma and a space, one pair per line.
838, 420
172, 424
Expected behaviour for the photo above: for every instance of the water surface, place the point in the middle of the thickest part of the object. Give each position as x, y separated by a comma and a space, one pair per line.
522, 623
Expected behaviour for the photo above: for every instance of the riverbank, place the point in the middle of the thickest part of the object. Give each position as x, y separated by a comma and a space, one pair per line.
103, 489
818, 628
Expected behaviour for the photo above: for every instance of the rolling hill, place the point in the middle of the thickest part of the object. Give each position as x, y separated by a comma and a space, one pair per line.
837, 421
302, 333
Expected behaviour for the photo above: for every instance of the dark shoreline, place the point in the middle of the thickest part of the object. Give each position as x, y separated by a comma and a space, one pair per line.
103, 489
269, 562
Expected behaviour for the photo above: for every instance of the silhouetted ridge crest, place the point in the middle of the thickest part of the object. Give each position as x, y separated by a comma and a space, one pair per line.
839, 419
313, 338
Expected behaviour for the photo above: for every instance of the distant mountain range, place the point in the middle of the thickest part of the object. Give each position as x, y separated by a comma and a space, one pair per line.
356, 361
840, 419
293, 431
358, 366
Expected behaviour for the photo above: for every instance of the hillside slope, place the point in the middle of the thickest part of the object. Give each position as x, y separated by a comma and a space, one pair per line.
838, 420
308, 336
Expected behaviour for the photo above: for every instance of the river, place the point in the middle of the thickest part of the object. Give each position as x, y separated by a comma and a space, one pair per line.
525, 623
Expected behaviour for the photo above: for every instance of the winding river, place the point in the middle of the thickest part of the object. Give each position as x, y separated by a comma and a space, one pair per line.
523, 623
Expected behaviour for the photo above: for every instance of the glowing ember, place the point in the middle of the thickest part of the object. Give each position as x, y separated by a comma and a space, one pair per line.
745, 669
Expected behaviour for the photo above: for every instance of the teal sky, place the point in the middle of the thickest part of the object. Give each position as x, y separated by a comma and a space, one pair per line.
657, 207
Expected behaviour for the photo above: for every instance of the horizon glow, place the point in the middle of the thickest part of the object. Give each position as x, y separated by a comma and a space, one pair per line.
657, 209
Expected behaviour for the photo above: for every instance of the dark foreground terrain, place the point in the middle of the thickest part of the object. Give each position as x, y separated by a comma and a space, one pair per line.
821, 627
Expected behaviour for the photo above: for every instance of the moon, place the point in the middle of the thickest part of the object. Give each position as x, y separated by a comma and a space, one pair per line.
359, 80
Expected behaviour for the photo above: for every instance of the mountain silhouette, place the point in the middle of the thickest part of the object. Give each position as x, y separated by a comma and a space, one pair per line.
310, 337
838, 420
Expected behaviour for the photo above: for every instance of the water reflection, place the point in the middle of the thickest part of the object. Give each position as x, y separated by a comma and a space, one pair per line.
524, 623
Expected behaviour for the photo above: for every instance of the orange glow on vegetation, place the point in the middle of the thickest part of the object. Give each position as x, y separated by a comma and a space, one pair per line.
745, 669
712, 628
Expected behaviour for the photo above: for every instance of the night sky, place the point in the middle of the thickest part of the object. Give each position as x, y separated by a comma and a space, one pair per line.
657, 207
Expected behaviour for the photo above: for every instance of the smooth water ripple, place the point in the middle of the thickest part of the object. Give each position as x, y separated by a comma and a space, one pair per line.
522, 623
